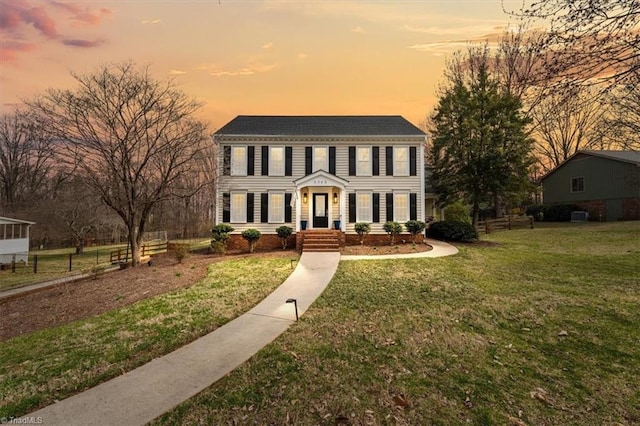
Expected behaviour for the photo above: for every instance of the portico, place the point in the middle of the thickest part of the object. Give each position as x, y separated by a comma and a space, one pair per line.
320, 201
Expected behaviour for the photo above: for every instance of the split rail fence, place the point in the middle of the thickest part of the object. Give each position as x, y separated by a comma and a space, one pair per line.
504, 224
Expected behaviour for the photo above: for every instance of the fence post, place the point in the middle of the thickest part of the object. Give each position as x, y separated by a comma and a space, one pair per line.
531, 221
13, 264
509, 222
97, 254
486, 226
35, 264
70, 261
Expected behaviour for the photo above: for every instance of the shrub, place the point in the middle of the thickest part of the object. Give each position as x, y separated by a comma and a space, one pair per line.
392, 228
283, 232
415, 227
220, 237
457, 212
451, 230
559, 212
362, 229
252, 236
537, 211
180, 252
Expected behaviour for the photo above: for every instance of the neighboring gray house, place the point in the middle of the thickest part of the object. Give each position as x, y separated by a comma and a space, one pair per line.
311, 172
14, 240
604, 183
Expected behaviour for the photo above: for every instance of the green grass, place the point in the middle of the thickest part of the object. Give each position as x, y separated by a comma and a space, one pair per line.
472, 338
52, 364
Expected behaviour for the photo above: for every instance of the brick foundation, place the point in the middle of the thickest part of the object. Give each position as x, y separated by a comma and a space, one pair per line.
596, 208
266, 242
380, 239
631, 209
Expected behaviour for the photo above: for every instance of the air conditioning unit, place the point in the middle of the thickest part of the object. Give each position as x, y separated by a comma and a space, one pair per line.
579, 216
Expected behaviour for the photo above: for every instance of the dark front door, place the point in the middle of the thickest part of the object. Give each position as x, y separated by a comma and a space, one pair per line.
320, 210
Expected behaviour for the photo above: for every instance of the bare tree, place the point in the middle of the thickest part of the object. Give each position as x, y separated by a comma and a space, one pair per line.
132, 139
623, 120
26, 161
588, 40
566, 123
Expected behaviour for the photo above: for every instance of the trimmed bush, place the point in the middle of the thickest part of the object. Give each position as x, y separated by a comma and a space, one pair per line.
181, 251
284, 232
537, 211
553, 212
457, 212
451, 230
415, 227
362, 229
392, 228
252, 236
220, 237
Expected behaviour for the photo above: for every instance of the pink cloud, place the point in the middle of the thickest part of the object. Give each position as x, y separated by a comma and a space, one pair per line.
83, 15
82, 43
14, 15
9, 50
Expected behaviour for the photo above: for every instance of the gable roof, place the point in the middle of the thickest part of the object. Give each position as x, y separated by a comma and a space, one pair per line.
319, 125
632, 157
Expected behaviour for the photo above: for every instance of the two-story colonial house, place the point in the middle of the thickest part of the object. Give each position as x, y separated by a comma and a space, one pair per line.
319, 172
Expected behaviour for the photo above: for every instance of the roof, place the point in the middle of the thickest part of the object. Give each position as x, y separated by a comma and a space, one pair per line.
320, 125
17, 221
632, 157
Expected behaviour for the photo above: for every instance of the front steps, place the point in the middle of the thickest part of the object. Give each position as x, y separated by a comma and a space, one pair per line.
321, 241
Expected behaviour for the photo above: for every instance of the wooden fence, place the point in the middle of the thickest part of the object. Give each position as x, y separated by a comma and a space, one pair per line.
504, 224
123, 255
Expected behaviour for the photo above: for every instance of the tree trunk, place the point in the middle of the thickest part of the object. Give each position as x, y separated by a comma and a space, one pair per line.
475, 214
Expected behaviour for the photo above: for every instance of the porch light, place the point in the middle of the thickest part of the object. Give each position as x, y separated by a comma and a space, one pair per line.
335, 198
304, 198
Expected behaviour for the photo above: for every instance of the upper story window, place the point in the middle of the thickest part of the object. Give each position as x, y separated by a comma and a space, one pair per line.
238, 161
320, 158
577, 184
276, 161
238, 207
363, 161
401, 161
364, 207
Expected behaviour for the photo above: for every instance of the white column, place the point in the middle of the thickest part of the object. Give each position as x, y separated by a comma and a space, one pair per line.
343, 216
298, 209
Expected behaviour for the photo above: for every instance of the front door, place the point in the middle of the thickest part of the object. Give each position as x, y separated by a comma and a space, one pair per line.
320, 210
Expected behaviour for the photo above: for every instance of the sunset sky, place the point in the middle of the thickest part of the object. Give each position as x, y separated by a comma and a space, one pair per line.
264, 57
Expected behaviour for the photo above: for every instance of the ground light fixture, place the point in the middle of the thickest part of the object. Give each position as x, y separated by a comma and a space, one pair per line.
295, 304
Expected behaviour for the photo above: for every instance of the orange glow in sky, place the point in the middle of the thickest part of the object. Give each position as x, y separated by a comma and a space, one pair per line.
266, 57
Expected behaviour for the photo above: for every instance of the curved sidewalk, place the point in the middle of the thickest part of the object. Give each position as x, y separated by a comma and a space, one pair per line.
143, 394
440, 249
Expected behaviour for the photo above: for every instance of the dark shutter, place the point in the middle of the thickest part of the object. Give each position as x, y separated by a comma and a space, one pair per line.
389, 161
413, 206
308, 160
226, 207
352, 208
287, 207
251, 157
376, 207
226, 160
250, 198
413, 161
332, 160
389, 206
376, 161
265, 161
264, 207
288, 161
352, 161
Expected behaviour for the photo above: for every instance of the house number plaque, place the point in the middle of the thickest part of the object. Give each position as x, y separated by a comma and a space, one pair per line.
319, 181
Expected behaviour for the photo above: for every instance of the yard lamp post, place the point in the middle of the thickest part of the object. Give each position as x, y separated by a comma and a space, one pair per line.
295, 304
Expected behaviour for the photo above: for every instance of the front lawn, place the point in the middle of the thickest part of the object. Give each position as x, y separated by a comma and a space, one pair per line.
51, 364
529, 327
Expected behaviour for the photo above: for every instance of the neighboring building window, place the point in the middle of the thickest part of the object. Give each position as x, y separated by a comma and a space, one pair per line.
238, 207
401, 207
363, 164
577, 184
401, 161
276, 207
320, 158
239, 161
363, 207
276, 161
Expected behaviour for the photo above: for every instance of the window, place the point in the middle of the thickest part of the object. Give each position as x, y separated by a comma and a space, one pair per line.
363, 207
239, 161
577, 184
401, 161
238, 207
320, 158
276, 207
276, 161
401, 207
363, 164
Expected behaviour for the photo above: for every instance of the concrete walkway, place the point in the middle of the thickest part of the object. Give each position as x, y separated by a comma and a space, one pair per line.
440, 249
143, 394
